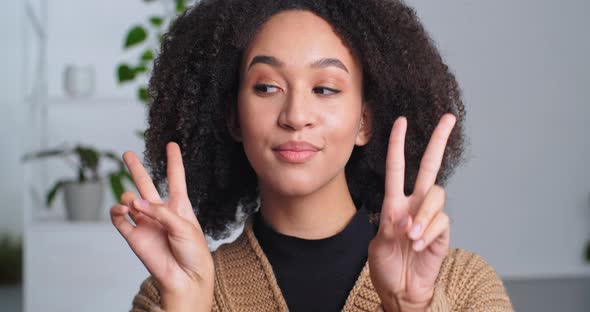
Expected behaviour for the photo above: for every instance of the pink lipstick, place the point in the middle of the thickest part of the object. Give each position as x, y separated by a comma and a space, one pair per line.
297, 152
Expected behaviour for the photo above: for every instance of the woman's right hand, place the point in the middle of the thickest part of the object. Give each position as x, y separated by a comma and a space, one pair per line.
167, 237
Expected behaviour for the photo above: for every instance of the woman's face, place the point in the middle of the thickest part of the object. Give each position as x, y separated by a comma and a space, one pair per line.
299, 104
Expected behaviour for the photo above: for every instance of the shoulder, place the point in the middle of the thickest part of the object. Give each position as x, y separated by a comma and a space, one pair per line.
148, 299
462, 264
470, 282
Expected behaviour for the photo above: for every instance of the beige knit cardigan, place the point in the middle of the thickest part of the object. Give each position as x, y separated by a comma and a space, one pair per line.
244, 281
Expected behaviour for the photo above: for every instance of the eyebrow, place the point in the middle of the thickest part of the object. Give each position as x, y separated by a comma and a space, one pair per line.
321, 63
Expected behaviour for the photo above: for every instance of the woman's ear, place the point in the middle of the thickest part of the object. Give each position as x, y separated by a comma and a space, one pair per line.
365, 126
233, 125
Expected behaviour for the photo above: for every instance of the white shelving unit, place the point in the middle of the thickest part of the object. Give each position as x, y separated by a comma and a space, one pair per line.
72, 266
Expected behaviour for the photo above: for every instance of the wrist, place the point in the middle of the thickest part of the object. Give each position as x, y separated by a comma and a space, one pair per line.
189, 299
400, 304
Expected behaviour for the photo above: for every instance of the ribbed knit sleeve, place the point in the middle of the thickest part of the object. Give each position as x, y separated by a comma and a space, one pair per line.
148, 298
467, 282
472, 284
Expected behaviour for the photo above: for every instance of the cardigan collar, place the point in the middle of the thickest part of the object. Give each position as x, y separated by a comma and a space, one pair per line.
245, 279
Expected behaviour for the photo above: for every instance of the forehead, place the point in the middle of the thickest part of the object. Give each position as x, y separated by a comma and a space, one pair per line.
298, 38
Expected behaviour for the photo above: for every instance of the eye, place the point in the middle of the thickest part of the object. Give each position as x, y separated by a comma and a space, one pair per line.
265, 89
322, 90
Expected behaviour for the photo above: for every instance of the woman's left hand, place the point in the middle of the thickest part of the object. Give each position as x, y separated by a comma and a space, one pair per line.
413, 238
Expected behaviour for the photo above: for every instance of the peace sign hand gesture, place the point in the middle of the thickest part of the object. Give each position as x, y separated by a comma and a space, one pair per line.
167, 237
413, 238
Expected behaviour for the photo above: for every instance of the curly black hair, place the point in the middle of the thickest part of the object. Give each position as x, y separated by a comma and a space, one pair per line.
194, 88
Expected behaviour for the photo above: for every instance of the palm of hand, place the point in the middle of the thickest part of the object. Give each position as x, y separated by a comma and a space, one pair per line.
404, 266
167, 237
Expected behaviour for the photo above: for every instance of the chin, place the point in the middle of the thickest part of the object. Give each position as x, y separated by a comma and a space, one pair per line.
295, 185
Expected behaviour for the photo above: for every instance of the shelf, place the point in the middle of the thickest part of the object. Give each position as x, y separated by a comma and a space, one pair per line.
71, 225
563, 274
87, 101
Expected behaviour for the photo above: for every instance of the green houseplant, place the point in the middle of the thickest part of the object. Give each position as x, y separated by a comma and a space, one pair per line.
11, 254
138, 38
86, 190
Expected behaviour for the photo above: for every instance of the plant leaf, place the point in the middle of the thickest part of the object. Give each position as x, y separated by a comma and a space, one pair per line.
125, 73
88, 157
142, 94
136, 35
53, 191
127, 175
81, 176
156, 21
140, 134
140, 69
45, 153
147, 55
116, 185
180, 5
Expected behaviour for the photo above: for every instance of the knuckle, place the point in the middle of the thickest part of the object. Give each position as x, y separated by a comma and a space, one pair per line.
440, 191
116, 209
445, 219
127, 197
112, 214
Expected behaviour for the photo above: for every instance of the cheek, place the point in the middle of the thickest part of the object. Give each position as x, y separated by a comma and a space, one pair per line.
342, 125
255, 121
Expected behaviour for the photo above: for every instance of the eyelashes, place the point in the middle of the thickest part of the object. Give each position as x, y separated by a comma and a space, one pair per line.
333, 91
265, 90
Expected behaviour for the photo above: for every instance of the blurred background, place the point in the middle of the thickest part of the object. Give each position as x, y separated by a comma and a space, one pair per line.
72, 101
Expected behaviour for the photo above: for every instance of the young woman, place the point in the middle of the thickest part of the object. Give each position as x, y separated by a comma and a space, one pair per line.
332, 125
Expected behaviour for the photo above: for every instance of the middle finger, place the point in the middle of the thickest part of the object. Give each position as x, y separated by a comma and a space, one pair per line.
141, 178
432, 159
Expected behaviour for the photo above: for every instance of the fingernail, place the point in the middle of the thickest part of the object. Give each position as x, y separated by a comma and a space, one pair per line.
141, 203
418, 245
415, 231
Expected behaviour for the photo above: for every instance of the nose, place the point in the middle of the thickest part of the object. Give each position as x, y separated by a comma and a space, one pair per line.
298, 112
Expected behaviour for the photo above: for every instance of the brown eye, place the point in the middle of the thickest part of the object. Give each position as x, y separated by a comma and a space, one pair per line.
323, 90
265, 89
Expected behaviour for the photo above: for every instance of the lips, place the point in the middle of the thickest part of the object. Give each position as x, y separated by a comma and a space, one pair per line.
296, 151
297, 146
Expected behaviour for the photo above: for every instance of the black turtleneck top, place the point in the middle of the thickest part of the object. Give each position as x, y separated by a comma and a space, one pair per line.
317, 275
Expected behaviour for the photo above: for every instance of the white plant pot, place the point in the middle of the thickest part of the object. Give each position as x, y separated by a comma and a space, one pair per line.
84, 200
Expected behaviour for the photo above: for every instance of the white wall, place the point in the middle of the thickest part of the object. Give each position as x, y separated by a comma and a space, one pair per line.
522, 201
11, 117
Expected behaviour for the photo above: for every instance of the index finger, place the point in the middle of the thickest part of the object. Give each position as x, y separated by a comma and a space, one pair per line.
141, 178
175, 170
432, 159
395, 163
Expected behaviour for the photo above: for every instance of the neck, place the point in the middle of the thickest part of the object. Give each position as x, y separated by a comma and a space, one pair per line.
323, 213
